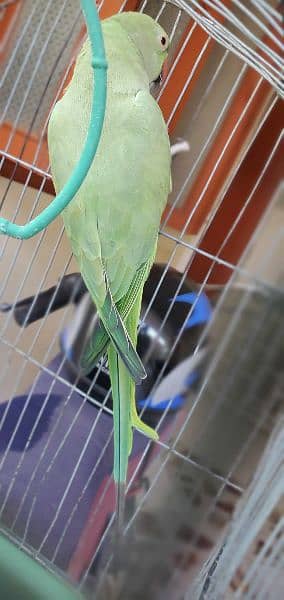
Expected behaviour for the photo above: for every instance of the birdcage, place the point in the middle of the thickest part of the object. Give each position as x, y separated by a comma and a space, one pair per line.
204, 504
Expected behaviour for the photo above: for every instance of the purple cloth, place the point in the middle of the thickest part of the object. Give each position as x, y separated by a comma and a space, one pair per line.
54, 486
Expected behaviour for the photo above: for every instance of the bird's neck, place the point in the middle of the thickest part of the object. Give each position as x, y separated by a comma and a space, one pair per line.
126, 71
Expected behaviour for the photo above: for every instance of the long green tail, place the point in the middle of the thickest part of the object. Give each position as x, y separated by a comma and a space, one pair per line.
121, 390
124, 405
124, 413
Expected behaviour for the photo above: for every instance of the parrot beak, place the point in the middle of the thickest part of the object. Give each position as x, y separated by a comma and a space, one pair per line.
158, 80
155, 86
165, 70
163, 74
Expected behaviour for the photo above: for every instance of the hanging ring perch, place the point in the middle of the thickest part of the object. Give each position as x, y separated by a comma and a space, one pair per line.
76, 179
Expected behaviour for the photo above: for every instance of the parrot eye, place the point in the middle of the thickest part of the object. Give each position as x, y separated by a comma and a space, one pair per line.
164, 41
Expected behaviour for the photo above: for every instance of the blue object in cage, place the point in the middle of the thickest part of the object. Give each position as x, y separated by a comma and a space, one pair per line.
185, 374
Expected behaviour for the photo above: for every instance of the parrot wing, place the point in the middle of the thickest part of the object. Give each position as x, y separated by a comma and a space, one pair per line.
97, 345
117, 332
86, 247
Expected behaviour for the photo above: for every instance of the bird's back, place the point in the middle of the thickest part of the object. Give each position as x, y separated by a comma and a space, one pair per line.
116, 213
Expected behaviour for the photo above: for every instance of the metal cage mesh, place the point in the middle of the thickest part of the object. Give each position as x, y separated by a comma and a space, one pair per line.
184, 504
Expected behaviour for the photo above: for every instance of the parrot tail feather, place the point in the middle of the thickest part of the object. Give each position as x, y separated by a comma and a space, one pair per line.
120, 509
137, 423
121, 384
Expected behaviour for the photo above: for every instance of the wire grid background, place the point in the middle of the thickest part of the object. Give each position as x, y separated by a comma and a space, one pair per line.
203, 477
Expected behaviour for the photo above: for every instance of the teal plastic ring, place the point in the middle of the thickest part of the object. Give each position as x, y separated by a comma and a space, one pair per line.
99, 63
77, 177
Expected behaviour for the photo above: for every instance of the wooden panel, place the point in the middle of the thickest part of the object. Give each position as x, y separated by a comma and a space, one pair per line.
111, 7
223, 153
186, 72
22, 173
24, 147
224, 150
234, 202
8, 18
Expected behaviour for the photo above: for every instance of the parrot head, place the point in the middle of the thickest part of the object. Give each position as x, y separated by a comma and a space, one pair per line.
150, 39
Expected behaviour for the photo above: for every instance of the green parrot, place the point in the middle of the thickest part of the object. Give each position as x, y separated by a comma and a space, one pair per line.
113, 220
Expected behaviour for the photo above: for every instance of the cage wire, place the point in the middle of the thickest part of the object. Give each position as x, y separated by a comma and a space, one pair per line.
204, 512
